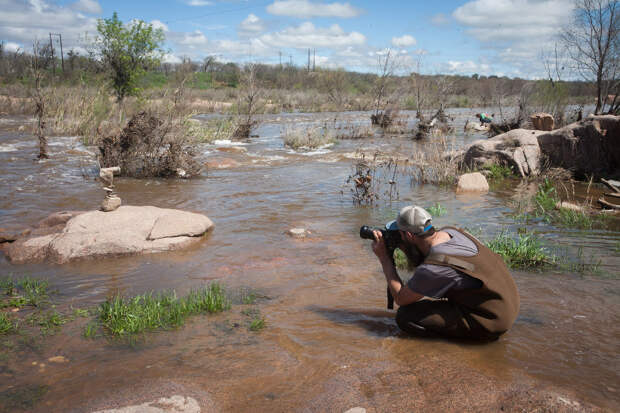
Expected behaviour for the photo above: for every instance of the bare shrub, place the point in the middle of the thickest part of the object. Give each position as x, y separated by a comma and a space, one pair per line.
373, 179
150, 147
352, 130
438, 163
248, 102
308, 138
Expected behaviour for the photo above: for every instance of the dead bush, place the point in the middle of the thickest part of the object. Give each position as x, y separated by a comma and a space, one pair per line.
373, 179
150, 147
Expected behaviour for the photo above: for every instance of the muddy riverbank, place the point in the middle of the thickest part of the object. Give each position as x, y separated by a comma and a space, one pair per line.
329, 343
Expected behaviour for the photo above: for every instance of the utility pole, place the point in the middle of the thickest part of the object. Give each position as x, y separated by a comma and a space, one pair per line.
53, 60
290, 59
280, 53
314, 61
308, 59
62, 55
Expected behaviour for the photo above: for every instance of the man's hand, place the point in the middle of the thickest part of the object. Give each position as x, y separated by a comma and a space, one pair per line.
378, 247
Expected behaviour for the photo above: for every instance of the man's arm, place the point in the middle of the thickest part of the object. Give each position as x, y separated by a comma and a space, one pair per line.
402, 294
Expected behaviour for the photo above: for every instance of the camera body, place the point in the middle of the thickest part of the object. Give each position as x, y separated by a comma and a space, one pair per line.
391, 237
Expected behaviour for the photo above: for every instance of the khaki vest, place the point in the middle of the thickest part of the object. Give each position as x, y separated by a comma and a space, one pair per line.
495, 306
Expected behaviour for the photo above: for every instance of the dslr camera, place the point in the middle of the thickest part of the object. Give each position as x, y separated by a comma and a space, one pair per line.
392, 239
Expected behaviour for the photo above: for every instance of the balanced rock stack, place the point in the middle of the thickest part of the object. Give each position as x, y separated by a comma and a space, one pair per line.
111, 200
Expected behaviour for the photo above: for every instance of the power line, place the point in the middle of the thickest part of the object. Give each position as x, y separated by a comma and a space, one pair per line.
217, 13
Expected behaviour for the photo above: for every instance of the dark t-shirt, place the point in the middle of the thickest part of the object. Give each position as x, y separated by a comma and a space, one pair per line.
436, 280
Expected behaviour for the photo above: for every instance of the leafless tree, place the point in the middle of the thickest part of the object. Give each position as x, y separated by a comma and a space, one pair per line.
386, 94
593, 44
248, 101
39, 99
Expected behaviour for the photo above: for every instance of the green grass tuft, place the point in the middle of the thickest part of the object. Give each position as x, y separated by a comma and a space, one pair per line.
127, 316
90, 330
523, 251
257, 324
6, 324
437, 210
498, 172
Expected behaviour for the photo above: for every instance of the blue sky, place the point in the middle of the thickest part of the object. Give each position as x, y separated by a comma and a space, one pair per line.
502, 37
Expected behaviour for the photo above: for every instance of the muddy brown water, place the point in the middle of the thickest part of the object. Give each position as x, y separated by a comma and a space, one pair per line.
329, 344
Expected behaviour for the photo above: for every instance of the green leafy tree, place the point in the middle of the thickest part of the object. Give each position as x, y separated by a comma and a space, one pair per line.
128, 51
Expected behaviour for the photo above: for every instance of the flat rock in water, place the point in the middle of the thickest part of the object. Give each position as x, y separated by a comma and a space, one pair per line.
127, 230
298, 232
174, 404
473, 182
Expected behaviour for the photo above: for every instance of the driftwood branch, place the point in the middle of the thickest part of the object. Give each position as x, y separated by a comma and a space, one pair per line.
608, 205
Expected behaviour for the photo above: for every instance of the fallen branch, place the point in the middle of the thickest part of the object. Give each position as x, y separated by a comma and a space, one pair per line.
608, 205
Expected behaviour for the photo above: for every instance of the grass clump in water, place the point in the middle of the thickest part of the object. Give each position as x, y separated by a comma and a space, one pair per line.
128, 316
23, 292
257, 324
307, 138
498, 172
7, 325
437, 210
523, 251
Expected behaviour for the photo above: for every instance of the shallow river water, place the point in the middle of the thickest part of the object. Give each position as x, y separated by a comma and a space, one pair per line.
329, 344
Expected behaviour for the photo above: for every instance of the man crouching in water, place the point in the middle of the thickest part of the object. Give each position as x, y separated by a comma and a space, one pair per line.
462, 289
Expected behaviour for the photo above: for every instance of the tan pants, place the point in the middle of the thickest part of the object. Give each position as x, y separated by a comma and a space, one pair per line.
429, 317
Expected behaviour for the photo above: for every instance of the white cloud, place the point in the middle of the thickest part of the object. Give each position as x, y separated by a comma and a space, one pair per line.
11, 47
517, 30
193, 39
170, 58
404, 41
22, 22
306, 9
307, 35
467, 67
87, 6
493, 21
199, 3
157, 24
251, 26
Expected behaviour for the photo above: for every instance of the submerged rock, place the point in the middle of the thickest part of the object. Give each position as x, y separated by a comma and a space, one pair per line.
128, 230
472, 182
298, 232
174, 404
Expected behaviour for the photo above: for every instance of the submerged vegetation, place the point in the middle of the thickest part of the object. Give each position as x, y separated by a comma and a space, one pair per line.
546, 205
122, 316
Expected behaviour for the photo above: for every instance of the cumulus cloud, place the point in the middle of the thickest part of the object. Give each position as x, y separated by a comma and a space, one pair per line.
404, 41
11, 47
305, 9
22, 22
251, 26
516, 29
199, 3
87, 6
157, 24
307, 35
467, 67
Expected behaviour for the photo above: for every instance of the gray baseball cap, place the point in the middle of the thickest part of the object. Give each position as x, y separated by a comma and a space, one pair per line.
413, 219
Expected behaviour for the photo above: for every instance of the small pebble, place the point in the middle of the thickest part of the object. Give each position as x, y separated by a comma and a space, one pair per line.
57, 359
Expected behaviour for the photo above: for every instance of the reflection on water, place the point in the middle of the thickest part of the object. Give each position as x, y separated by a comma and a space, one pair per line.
327, 294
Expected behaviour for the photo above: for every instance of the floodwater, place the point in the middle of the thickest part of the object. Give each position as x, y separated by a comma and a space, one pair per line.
329, 344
